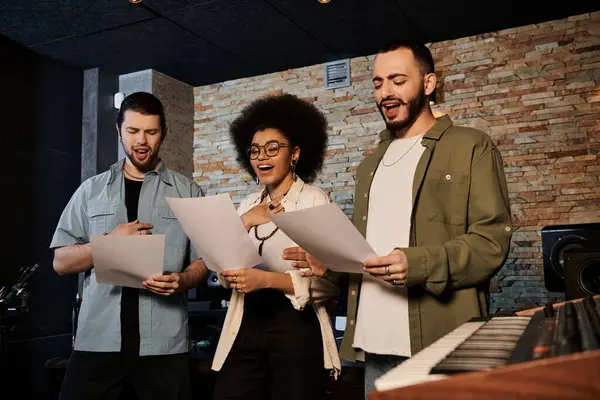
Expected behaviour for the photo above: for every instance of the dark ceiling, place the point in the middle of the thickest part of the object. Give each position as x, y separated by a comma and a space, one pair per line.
207, 41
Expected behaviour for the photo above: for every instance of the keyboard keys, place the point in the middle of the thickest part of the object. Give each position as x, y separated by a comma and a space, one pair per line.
417, 368
481, 345
489, 347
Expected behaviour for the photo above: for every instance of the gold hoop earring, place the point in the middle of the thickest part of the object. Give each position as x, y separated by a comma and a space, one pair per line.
294, 162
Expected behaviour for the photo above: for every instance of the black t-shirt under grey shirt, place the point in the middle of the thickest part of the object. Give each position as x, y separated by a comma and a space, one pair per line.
130, 318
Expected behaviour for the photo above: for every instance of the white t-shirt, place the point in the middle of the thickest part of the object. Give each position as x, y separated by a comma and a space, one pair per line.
382, 323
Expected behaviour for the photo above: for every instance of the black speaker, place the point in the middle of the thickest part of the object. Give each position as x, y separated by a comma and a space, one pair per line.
556, 239
582, 273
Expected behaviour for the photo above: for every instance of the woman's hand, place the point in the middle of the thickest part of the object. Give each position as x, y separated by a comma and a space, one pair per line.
307, 264
247, 280
259, 214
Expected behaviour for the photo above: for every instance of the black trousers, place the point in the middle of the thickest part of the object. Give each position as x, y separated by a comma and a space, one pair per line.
277, 354
102, 376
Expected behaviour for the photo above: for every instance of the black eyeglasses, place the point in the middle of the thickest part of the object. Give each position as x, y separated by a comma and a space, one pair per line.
271, 149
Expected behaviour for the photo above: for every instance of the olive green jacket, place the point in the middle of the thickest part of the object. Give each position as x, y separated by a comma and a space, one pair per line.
459, 236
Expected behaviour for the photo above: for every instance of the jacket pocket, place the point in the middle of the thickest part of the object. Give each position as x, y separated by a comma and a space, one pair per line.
448, 198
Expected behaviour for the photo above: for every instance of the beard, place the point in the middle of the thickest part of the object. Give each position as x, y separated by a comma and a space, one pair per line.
143, 166
415, 106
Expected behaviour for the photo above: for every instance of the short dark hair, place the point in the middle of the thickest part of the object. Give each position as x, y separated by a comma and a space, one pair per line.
298, 120
144, 103
419, 50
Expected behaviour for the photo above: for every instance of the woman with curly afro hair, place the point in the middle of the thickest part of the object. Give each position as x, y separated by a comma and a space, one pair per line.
277, 342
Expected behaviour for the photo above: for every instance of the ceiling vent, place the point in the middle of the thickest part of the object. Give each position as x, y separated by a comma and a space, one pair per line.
337, 74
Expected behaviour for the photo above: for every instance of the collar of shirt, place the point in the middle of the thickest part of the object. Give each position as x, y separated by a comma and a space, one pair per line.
117, 169
292, 195
434, 133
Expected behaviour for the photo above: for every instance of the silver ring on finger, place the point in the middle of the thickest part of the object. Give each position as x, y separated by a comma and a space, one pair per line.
394, 282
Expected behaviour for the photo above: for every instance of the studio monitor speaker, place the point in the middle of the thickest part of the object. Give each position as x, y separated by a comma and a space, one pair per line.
582, 273
556, 240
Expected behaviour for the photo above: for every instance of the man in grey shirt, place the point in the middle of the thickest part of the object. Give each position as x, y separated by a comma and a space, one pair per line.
130, 337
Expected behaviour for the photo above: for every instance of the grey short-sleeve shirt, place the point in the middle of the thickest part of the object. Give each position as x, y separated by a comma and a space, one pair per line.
97, 207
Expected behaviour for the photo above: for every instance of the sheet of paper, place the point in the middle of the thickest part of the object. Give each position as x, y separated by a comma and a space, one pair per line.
216, 231
127, 260
328, 235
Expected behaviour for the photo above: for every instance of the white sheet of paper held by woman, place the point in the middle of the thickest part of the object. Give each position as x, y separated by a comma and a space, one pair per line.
328, 235
216, 231
127, 260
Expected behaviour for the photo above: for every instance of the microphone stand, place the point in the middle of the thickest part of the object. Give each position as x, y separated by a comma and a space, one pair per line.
18, 291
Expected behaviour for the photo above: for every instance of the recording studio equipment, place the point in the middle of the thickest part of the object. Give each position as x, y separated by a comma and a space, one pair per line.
208, 296
75, 308
207, 307
213, 280
13, 302
20, 288
556, 239
582, 273
497, 342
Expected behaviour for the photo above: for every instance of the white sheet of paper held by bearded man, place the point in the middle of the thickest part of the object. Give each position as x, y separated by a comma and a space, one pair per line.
127, 260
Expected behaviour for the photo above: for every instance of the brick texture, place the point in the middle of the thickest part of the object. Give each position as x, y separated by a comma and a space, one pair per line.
534, 89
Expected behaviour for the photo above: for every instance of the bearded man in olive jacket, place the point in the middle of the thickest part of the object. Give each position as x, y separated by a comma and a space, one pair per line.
433, 204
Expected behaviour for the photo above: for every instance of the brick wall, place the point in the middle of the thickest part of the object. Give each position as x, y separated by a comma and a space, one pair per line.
534, 89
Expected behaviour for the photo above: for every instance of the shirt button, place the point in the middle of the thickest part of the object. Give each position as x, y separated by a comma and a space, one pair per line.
448, 177
351, 322
364, 218
371, 174
232, 333
507, 228
366, 195
354, 293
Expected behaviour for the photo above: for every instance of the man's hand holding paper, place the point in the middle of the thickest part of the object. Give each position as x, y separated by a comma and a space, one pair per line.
163, 284
132, 228
392, 268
